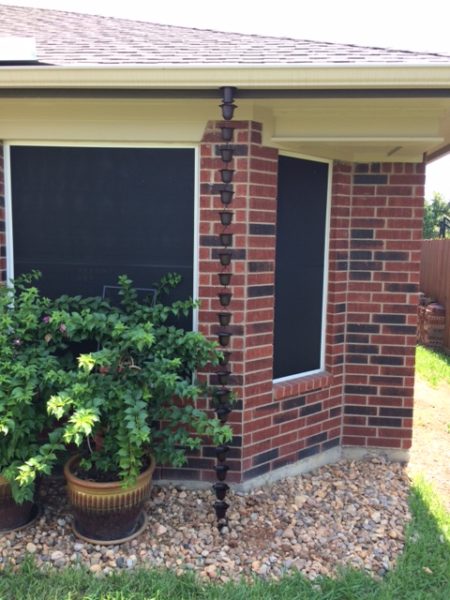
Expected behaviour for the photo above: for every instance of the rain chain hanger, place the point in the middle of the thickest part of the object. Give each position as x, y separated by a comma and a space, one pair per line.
223, 393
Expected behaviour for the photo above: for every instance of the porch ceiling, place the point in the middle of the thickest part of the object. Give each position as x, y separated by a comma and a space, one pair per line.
360, 129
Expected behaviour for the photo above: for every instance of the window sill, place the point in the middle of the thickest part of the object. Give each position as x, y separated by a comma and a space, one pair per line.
301, 385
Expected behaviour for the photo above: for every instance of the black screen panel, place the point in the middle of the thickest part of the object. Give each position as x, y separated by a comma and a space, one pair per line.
299, 272
85, 215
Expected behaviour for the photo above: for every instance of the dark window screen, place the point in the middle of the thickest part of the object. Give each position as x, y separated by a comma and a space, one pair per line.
299, 273
83, 216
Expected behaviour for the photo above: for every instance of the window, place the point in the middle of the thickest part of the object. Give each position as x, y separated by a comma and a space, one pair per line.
300, 271
84, 215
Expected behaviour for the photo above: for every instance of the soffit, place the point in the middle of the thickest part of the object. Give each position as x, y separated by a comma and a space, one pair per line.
349, 129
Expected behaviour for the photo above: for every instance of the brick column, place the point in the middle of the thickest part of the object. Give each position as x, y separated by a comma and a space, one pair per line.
386, 229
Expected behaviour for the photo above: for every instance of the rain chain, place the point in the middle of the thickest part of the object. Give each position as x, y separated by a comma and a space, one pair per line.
223, 393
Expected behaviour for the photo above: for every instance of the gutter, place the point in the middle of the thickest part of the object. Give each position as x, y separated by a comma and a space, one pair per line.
244, 77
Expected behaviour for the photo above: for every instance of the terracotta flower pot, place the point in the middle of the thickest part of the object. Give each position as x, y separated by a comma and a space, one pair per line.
13, 515
107, 512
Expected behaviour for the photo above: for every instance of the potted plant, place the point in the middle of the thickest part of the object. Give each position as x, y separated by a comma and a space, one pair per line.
29, 372
130, 403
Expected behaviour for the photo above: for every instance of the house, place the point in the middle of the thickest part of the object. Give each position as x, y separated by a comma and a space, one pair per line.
283, 178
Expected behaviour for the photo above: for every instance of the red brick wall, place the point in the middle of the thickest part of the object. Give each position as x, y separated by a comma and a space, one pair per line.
365, 396
384, 263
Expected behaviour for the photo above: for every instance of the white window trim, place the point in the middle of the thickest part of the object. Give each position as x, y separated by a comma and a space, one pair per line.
326, 256
71, 144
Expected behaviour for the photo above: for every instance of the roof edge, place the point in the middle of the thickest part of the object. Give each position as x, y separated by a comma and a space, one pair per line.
244, 76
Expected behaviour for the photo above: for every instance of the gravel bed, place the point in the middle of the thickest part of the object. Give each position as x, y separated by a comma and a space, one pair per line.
350, 513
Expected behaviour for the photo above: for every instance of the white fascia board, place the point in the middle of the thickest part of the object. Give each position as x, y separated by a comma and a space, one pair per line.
244, 76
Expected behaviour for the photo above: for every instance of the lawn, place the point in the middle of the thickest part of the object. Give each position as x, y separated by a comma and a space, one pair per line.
432, 366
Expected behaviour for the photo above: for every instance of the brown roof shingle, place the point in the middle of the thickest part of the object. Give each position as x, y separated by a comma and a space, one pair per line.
66, 38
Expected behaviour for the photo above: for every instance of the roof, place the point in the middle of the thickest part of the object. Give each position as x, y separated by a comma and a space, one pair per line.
67, 38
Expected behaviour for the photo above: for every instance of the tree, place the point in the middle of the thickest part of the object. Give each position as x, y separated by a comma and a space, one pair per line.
435, 210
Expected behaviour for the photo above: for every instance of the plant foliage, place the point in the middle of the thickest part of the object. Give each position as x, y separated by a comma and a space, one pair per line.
133, 393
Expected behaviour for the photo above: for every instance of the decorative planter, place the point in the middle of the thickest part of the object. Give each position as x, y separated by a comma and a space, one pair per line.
225, 278
226, 217
224, 318
107, 513
227, 133
226, 196
12, 515
225, 298
227, 175
226, 154
225, 258
226, 239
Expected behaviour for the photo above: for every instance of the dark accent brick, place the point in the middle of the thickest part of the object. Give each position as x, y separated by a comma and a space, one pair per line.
385, 380
3, 251
265, 457
260, 267
255, 291
272, 406
286, 416
238, 404
364, 234
363, 349
214, 188
340, 308
360, 389
235, 254
362, 168
339, 338
375, 167
387, 360
367, 265
384, 422
401, 329
336, 411
341, 266
311, 409
356, 409
387, 411
370, 179
338, 360
408, 288
360, 276
361, 255
331, 443
402, 256
200, 463
261, 229
293, 403
389, 318
260, 470
362, 328
236, 441
392, 391
210, 452
316, 439
358, 359
358, 338
238, 149
308, 452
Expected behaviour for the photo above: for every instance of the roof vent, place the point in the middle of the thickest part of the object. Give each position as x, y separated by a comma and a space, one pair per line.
15, 50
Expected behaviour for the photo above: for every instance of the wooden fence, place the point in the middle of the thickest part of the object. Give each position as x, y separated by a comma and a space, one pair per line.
435, 276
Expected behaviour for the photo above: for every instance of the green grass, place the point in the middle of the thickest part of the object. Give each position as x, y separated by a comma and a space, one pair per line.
433, 367
422, 573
